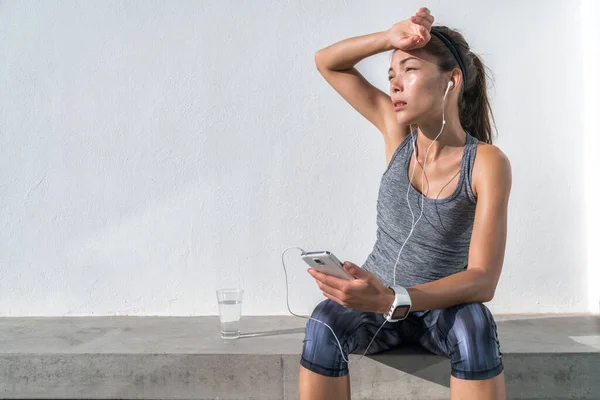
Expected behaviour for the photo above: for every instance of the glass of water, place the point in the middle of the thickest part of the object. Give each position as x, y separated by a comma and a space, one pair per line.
230, 312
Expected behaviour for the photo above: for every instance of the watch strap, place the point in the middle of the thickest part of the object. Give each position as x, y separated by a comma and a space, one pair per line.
402, 298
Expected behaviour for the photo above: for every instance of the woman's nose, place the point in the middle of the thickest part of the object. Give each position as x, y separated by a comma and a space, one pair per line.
396, 84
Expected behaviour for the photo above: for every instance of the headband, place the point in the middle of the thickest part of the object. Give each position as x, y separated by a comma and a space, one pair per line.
451, 44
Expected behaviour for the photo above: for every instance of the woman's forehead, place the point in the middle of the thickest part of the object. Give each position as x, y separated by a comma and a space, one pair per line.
400, 57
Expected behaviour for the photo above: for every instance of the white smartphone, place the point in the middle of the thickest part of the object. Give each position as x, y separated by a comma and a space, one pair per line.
326, 262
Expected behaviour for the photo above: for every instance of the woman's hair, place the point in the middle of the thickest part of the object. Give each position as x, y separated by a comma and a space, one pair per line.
474, 108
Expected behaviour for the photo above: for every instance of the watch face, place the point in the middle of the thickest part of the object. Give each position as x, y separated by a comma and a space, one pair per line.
400, 312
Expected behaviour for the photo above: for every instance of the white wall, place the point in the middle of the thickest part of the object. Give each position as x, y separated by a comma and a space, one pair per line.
152, 152
590, 39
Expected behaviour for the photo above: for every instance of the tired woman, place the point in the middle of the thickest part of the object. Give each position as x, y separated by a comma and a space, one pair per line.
441, 216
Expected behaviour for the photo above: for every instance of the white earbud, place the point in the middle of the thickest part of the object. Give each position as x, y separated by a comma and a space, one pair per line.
450, 85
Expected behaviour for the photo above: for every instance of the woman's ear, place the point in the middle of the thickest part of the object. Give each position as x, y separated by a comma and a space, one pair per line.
455, 77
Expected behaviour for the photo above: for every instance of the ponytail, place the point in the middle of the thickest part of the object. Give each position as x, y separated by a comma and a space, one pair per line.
474, 108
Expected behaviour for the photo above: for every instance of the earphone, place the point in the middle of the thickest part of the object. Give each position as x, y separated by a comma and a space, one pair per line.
413, 225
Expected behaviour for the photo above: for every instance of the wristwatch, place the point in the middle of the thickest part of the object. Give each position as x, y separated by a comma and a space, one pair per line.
401, 305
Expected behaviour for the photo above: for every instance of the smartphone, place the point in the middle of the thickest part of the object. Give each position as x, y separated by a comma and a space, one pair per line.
326, 262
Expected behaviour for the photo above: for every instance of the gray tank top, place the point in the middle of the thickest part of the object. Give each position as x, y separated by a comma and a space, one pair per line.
439, 244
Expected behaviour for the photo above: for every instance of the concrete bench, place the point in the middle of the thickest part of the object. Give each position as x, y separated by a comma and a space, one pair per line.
545, 357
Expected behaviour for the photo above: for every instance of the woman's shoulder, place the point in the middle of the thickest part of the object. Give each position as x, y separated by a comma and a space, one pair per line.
489, 153
491, 167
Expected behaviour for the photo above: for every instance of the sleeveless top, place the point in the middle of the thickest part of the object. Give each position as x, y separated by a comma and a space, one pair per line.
439, 243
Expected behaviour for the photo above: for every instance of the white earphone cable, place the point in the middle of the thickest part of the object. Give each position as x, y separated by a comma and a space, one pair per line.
422, 177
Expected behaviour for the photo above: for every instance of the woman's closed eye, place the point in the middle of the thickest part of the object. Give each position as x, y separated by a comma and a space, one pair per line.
407, 69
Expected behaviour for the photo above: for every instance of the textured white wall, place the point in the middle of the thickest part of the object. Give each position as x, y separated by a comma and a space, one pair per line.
152, 152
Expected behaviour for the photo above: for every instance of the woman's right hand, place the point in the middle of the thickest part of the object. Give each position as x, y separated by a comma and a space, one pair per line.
411, 33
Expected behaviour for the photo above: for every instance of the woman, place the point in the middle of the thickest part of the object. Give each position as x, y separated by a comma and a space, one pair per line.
449, 262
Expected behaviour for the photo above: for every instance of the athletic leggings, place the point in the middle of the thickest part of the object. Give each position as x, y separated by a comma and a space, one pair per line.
465, 333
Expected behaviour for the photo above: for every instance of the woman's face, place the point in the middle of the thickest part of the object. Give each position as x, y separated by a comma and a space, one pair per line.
416, 80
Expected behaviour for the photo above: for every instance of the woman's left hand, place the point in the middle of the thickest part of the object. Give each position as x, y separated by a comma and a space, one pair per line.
365, 293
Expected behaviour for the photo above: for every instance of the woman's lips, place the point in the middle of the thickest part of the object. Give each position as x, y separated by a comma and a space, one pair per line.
399, 106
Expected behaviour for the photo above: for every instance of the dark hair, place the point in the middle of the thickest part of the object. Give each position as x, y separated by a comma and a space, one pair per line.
474, 109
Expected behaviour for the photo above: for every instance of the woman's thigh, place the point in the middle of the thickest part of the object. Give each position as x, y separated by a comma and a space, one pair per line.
354, 330
467, 334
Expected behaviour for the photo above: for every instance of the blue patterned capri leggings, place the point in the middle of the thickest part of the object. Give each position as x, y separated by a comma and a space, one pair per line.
465, 333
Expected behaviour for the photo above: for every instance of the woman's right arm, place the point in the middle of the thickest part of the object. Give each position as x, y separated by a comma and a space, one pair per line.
336, 64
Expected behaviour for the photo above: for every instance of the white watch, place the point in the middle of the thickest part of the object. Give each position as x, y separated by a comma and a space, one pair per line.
401, 305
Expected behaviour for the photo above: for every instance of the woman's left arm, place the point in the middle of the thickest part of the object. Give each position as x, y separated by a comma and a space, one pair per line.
492, 181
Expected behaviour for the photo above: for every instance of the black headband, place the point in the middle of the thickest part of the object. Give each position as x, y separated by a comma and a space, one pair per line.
451, 44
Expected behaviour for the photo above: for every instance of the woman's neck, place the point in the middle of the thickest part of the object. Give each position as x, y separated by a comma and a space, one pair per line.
452, 137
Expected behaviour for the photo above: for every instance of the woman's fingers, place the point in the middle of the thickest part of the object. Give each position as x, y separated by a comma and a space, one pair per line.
424, 17
426, 35
330, 297
338, 294
424, 12
422, 22
428, 20
425, 20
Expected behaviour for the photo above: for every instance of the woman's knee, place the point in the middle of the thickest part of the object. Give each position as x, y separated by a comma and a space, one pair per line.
473, 342
321, 352
327, 312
